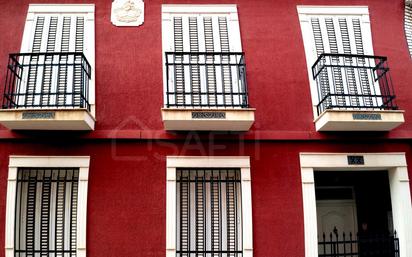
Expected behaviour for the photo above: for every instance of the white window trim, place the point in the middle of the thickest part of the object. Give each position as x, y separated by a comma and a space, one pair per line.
89, 10
15, 162
394, 163
241, 162
304, 12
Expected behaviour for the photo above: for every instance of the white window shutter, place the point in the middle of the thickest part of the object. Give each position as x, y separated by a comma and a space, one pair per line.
59, 33
201, 32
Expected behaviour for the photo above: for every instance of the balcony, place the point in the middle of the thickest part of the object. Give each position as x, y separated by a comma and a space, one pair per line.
47, 91
206, 91
355, 93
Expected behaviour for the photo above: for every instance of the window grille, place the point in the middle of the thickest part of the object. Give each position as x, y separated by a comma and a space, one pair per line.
209, 213
46, 212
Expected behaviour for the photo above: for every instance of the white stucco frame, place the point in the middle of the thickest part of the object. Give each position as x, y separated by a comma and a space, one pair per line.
394, 163
241, 162
15, 162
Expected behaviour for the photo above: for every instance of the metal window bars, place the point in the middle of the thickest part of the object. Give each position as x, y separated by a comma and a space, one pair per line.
206, 79
350, 245
47, 80
209, 213
353, 82
46, 212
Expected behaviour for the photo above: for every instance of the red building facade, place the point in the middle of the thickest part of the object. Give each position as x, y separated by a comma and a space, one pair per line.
123, 156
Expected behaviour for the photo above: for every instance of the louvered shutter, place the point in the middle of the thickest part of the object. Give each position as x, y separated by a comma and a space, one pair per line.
343, 35
54, 84
340, 34
408, 25
210, 33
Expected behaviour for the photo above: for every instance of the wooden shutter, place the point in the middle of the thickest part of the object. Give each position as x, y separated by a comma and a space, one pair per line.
343, 35
54, 33
203, 33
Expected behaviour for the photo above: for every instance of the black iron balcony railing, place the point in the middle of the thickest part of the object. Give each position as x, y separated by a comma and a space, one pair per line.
348, 245
356, 82
211, 79
47, 80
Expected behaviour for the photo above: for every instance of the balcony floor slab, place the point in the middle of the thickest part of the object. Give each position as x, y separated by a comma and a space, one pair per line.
176, 119
359, 120
47, 119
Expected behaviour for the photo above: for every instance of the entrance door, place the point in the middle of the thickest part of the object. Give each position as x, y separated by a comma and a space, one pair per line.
339, 214
336, 222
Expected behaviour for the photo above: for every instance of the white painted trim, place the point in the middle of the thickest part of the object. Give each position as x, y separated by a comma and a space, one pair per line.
199, 8
64, 8
396, 165
15, 162
242, 162
333, 10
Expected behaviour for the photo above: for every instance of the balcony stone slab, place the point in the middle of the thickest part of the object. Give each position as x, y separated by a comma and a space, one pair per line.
359, 120
47, 119
179, 119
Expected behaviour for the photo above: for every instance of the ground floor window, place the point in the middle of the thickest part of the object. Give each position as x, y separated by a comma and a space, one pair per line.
46, 212
208, 207
46, 206
209, 212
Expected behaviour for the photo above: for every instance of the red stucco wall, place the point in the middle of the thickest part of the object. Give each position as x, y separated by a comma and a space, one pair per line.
126, 212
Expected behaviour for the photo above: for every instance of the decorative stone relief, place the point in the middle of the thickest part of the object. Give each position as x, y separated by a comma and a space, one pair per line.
127, 12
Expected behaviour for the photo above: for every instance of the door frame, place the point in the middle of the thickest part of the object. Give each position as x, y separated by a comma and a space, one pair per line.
394, 163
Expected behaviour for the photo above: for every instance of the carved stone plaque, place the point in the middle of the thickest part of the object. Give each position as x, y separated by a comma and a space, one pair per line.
208, 115
127, 12
38, 115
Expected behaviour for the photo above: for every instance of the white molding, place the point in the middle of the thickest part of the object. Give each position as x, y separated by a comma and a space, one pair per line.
242, 162
199, 8
394, 163
332, 10
63, 8
19, 161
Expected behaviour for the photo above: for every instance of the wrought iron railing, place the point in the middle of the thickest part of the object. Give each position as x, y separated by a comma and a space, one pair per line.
212, 79
349, 245
356, 82
47, 80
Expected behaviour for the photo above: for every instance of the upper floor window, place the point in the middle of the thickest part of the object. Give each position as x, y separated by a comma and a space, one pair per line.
55, 67
344, 73
204, 59
204, 66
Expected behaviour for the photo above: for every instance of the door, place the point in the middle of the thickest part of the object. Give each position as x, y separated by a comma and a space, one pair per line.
336, 218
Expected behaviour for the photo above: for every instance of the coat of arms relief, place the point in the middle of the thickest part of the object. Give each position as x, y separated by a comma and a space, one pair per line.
127, 12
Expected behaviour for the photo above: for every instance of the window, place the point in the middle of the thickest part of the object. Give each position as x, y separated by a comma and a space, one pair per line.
343, 72
209, 208
46, 206
50, 83
204, 72
204, 63
56, 58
